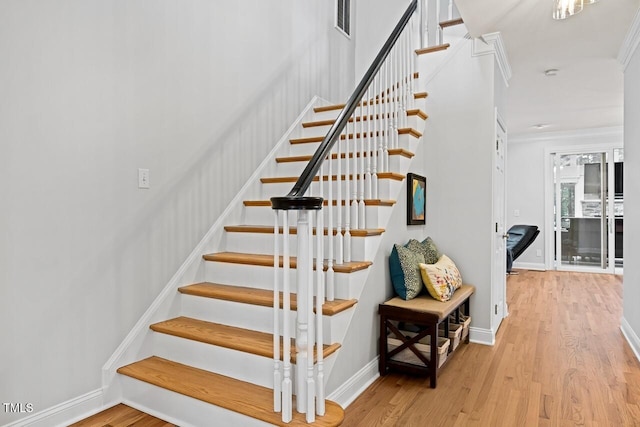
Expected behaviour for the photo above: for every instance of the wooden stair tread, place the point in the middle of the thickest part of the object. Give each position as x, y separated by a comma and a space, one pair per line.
280, 179
253, 296
234, 395
451, 22
329, 122
267, 261
265, 229
367, 202
432, 49
333, 107
314, 139
245, 340
305, 158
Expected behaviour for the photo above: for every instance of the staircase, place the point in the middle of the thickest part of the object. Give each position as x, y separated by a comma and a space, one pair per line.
219, 351
211, 360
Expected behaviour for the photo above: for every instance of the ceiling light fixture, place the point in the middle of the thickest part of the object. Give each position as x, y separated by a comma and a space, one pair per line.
562, 9
551, 72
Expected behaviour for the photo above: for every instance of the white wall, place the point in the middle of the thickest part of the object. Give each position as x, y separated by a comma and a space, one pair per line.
374, 21
460, 139
526, 179
196, 91
456, 160
631, 314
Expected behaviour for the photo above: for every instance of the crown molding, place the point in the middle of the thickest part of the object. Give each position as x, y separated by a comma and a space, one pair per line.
613, 132
492, 43
631, 42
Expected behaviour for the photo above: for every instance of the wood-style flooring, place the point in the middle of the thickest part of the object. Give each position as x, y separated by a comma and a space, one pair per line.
559, 360
122, 416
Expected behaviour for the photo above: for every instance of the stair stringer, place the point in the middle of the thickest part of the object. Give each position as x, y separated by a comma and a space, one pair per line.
139, 342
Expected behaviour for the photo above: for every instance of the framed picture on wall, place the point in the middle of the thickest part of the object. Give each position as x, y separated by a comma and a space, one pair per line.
416, 199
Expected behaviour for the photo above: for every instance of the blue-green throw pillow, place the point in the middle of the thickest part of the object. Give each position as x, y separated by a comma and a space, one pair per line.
427, 248
404, 265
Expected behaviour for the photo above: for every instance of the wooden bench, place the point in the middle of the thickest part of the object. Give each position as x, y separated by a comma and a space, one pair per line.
428, 315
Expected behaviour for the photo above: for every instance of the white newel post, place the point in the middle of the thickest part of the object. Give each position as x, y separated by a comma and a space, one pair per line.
277, 377
287, 386
302, 327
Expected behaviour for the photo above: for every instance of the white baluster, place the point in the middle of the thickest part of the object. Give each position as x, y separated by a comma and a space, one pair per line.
402, 106
387, 118
377, 124
353, 158
287, 386
360, 160
339, 219
347, 194
396, 103
330, 237
310, 383
411, 68
422, 23
450, 10
302, 329
370, 128
438, 27
277, 378
320, 405
406, 80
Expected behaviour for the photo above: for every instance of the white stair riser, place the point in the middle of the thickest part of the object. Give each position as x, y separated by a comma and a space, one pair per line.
397, 163
184, 410
362, 248
262, 277
406, 141
332, 114
375, 216
409, 121
387, 189
248, 316
231, 363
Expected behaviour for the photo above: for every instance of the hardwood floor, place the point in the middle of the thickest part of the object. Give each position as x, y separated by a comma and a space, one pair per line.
122, 416
559, 360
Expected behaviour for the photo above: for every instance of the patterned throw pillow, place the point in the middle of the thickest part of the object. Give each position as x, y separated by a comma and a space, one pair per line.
441, 279
432, 250
405, 271
427, 248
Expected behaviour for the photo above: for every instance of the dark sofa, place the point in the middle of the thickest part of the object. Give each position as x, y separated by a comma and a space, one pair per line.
520, 238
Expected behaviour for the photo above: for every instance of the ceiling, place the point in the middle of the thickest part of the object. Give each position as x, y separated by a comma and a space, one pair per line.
587, 91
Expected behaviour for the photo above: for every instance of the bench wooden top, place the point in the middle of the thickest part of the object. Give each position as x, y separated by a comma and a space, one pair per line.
426, 304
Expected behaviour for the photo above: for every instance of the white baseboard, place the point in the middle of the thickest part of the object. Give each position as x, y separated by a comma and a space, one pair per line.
482, 336
65, 413
631, 337
537, 266
354, 386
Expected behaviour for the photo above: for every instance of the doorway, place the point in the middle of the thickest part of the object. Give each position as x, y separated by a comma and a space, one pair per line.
588, 210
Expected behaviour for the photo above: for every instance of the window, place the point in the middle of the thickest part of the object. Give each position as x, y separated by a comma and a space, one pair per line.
343, 16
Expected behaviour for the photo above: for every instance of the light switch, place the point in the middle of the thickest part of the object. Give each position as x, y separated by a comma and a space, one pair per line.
143, 178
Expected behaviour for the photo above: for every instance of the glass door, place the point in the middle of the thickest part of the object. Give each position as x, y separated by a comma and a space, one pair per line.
583, 228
